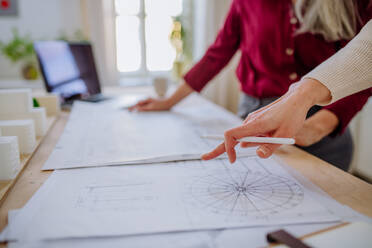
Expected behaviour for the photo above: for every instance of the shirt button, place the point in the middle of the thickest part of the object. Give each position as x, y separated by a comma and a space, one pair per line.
293, 20
293, 76
289, 51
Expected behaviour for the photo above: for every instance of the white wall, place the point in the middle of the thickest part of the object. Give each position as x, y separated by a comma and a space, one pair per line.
41, 19
362, 134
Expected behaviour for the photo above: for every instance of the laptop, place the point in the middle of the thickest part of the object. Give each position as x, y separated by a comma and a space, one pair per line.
69, 70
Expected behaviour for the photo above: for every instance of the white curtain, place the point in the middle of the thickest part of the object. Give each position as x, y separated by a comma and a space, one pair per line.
99, 26
209, 16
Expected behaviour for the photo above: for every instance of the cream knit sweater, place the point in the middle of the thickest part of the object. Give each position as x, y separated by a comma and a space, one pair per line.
349, 70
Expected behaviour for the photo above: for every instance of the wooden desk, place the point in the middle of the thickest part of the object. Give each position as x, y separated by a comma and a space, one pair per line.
32, 177
342, 186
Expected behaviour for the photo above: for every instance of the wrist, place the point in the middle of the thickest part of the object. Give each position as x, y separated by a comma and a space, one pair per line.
183, 91
300, 97
169, 102
311, 92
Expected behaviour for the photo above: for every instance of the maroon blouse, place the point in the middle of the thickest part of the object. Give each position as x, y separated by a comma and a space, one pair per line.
272, 55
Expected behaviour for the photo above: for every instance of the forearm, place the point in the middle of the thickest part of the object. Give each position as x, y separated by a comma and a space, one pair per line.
219, 53
182, 91
308, 92
346, 108
324, 121
349, 70
315, 128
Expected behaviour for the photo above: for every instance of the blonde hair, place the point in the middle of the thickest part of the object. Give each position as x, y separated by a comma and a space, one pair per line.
333, 19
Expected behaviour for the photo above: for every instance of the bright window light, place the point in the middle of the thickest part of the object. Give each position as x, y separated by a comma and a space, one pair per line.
128, 43
160, 53
163, 7
127, 7
142, 35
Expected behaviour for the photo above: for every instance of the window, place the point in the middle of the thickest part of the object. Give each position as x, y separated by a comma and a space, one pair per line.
142, 35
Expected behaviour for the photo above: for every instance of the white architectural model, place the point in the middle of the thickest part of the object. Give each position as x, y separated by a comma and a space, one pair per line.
50, 102
15, 101
9, 157
20, 124
16, 104
25, 132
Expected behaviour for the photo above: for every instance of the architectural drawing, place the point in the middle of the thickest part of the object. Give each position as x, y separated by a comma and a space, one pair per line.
164, 197
125, 197
243, 193
101, 135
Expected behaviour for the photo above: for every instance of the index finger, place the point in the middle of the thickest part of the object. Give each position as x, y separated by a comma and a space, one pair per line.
220, 149
251, 128
232, 136
133, 107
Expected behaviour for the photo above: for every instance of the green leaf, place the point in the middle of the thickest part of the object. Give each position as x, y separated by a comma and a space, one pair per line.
36, 103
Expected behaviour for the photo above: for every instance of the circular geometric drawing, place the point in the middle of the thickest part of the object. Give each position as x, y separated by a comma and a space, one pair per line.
242, 193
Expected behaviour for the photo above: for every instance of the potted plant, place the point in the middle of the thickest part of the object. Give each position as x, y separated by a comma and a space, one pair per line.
21, 49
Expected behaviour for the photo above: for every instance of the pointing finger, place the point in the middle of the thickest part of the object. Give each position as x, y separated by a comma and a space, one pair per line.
220, 149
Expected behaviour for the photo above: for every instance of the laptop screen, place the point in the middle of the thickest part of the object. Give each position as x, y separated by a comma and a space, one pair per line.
68, 69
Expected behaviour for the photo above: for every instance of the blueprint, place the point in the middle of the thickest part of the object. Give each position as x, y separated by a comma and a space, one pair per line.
105, 134
231, 238
177, 196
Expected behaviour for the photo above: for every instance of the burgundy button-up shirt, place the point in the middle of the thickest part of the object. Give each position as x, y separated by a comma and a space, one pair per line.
273, 56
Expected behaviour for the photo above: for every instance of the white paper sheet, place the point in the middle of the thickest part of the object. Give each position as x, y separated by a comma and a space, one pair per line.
179, 240
106, 134
232, 238
192, 195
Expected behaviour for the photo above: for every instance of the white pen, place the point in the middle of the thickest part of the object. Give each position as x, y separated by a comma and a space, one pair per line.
269, 140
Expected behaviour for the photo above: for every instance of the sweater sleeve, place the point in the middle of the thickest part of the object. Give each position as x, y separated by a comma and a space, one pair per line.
218, 54
350, 69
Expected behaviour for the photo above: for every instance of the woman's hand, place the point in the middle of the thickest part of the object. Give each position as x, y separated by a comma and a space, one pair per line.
151, 104
282, 118
317, 127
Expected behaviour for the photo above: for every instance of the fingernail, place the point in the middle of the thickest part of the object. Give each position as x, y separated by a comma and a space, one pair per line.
263, 150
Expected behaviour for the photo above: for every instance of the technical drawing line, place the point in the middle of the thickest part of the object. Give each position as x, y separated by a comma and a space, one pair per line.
240, 193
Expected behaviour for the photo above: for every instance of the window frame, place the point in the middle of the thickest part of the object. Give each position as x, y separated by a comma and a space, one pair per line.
133, 77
